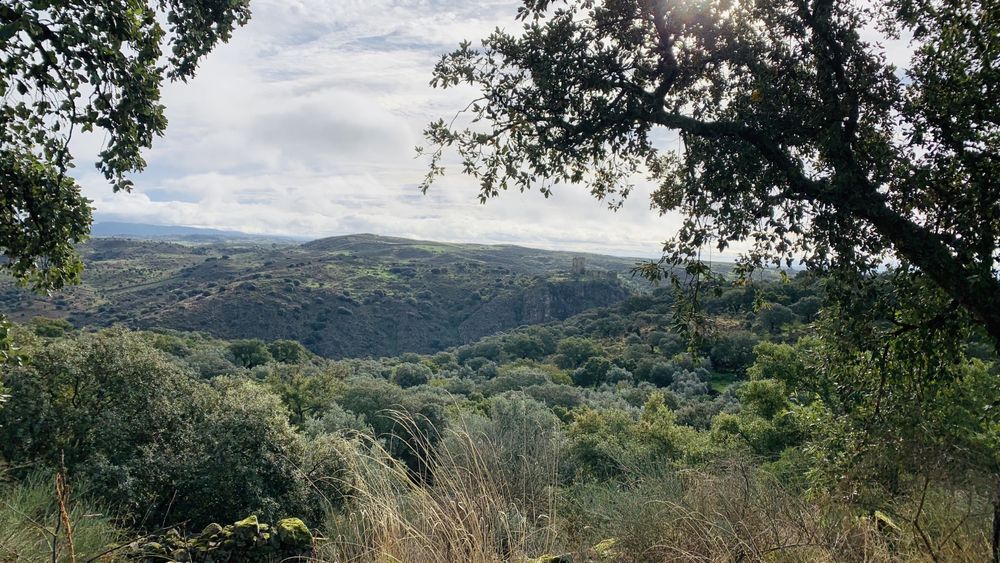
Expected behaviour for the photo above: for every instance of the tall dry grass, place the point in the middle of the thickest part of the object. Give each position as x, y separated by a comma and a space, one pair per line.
473, 510
739, 513
466, 509
36, 526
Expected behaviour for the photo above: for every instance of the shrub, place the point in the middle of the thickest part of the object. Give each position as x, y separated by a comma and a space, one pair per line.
249, 353
519, 440
411, 375
150, 440
287, 351
733, 352
592, 372
572, 352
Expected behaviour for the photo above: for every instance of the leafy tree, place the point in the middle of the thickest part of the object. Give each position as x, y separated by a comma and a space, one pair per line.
795, 130
487, 348
523, 346
80, 66
519, 377
245, 459
250, 353
788, 364
51, 328
335, 420
304, 391
612, 443
689, 384
766, 424
593, 372
772, 317
409, 422
150, 440
287, 351
411, 375
733, 352
808, 307
574, 351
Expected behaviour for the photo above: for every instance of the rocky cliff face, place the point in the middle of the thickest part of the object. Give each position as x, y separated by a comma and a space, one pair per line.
546, 301
383, 325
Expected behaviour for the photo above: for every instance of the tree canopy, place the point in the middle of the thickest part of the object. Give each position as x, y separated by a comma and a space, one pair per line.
85, 66
797, 132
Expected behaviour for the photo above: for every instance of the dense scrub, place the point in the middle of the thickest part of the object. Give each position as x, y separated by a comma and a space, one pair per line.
349, 296
607, 437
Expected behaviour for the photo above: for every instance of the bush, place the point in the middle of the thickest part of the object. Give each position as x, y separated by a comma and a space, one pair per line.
250, 353
520, 346
51, 328
150, 440
593, 372
210, 363
411, 375
402, 420
516, 378
572, 352
773, 317
734, 352
288, 351
520, 440
614, 443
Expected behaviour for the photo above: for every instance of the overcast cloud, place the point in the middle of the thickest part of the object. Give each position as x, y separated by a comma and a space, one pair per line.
305, 124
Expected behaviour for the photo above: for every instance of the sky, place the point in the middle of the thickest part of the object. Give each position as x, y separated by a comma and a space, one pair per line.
305, 124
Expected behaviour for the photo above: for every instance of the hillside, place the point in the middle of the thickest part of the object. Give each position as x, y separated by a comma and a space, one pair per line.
348, 296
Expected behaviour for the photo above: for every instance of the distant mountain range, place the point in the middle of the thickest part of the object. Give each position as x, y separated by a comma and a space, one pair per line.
142, 231
346, 296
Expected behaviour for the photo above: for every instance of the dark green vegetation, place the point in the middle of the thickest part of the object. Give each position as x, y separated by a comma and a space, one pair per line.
602, 435
79, 67
350, 296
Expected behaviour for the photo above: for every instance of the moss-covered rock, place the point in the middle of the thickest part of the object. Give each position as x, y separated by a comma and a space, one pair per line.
211, 530
248, 540
293, 533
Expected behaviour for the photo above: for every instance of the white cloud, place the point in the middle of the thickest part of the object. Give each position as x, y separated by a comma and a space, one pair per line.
305, 124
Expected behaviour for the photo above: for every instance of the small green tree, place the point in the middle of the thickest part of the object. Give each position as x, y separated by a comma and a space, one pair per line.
147, 438
288, 351
250, 353
572, 352
411, 375
593, 372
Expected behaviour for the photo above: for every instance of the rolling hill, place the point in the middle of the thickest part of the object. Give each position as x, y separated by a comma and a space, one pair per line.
347, 296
